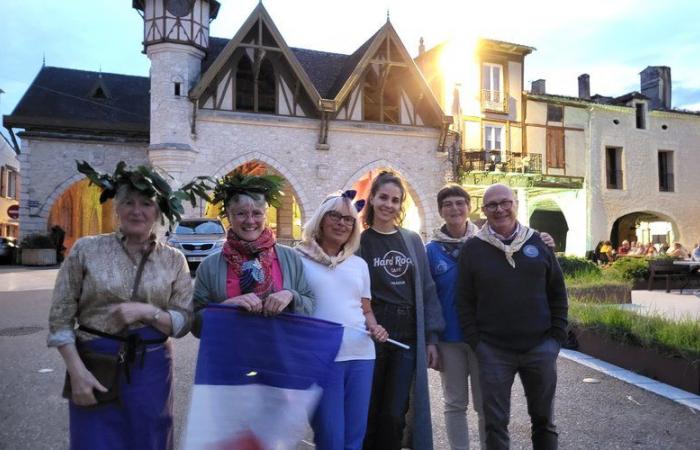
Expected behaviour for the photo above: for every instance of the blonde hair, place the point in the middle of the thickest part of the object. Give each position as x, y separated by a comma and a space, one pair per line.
334, 202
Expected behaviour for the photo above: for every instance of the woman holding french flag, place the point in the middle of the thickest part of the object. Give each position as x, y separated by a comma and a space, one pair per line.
252, 271
341, 286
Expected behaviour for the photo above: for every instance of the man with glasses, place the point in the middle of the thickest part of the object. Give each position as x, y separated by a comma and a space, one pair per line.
512, 309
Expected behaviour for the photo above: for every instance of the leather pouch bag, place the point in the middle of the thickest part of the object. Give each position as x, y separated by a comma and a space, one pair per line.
106, 369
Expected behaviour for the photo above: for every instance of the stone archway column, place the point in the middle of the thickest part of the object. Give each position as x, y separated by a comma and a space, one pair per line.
523, 215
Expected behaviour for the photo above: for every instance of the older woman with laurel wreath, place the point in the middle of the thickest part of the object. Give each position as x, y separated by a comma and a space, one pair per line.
118, 360
252, 271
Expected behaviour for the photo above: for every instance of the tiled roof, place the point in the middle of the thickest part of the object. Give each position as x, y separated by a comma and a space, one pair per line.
327, 71
323, 68
67, 99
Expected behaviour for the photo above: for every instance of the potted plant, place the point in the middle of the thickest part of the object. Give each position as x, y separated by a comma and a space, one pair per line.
38, 250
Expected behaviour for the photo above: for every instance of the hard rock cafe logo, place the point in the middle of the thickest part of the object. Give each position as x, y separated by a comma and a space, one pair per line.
395, 263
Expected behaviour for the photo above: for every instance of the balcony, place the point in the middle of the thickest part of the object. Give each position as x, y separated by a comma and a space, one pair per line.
493, 101
492, 161
486, 167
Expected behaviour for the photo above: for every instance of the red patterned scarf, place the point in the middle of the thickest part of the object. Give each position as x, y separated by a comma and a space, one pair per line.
251, 261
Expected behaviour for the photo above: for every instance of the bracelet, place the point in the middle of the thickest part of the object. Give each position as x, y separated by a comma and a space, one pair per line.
155, 316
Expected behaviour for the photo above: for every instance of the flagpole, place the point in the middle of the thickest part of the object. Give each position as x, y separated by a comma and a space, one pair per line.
391, 341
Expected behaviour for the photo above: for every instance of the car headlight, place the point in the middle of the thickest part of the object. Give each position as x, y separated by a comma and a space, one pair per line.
219, 244
174, 244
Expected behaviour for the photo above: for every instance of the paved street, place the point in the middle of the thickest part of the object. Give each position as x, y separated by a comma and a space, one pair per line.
607, 415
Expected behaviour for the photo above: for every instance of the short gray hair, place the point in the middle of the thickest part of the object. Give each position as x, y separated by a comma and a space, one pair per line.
257, 200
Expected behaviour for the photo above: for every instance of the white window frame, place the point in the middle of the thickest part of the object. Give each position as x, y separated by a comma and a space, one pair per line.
491, 133
492, 74
11, 183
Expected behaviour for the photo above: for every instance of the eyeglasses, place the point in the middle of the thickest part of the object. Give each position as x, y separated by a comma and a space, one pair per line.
241, 216
505, 205
336, 217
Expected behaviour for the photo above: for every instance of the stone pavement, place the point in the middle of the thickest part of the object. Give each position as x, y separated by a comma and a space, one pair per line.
611, 414
672, 305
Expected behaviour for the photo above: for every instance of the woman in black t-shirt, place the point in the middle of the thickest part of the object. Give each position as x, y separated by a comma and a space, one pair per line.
405, 302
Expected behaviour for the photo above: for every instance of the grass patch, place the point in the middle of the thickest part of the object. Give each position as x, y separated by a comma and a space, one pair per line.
602, 287
673, 338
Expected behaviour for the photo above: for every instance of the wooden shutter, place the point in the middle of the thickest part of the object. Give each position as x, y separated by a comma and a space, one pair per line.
555, 148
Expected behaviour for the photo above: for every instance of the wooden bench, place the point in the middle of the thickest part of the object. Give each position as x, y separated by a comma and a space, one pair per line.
664, 268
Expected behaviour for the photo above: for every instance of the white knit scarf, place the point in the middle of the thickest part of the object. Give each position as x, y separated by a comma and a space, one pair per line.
524, 233
314, 252
441, 236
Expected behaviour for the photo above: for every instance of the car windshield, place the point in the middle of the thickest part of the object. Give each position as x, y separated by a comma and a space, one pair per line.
200, 228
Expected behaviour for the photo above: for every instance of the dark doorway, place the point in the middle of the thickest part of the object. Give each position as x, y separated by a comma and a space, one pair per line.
554, 223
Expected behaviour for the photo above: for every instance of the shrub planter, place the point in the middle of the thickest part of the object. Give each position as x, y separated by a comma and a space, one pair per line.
676, 371
39, 256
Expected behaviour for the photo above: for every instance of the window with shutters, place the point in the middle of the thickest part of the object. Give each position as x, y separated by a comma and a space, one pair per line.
556, 157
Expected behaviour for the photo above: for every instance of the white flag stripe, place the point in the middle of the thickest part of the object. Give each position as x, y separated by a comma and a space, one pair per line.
277, 417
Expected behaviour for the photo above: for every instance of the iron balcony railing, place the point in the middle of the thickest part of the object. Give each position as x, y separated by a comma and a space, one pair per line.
493, 100
497, 161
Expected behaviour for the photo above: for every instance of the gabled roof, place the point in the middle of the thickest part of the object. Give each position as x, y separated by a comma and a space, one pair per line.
323, 68
350, 64
364, 54
325, 75
64, 99
259, 13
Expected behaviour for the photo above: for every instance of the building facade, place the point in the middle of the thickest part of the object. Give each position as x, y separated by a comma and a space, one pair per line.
323, 121
9, 188
586, 168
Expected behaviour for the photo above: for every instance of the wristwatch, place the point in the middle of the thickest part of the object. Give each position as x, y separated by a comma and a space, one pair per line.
155, 316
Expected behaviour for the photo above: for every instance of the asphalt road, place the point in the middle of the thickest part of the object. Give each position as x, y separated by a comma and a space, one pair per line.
607, 415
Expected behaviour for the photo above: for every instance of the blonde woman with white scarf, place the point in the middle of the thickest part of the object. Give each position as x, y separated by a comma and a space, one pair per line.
341, 285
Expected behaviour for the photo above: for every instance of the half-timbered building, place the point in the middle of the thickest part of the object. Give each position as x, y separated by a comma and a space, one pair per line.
324, 121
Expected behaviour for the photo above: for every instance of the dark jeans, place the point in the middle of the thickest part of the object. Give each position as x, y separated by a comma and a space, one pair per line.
538, 372
393, 376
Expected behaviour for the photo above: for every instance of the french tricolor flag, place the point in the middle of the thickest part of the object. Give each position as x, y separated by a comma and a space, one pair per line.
258, 379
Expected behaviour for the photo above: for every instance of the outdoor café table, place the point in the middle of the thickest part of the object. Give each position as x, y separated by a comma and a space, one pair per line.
692, 268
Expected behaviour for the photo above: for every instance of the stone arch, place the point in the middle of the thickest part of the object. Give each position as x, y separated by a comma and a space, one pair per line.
294, 183
420, 199
76, 209
547, 215
632, 216
45, 208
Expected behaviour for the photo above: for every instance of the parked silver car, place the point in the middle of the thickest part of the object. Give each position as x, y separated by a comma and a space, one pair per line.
197, 238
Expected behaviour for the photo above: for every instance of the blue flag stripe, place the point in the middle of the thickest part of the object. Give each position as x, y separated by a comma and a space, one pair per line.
286, 351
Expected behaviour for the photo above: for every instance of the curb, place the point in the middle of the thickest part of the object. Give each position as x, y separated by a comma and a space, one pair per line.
664, 390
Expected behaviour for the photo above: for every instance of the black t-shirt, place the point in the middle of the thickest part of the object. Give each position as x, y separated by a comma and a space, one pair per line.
390, 267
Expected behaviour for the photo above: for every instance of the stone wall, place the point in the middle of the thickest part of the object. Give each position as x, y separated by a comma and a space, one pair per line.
49, 168
640, 192
225, 140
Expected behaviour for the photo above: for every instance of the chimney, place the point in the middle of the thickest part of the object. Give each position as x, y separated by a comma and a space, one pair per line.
584, 86
655, 83
421, 46
538, 87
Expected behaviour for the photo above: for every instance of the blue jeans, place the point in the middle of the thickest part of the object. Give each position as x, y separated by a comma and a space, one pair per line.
538, 372
393, 377
339, 421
